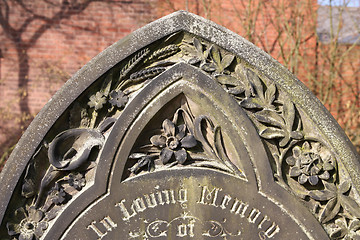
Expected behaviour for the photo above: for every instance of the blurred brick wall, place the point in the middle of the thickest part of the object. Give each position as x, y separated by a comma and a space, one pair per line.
69, 43
62, 49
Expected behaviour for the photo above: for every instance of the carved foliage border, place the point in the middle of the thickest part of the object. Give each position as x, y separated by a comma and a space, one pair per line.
301, 163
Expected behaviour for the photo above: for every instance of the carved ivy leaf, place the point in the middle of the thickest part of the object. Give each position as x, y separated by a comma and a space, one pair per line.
221, 63
270, 94
208, 67
289, 114
197, 53
237, 90
271, 132
330, 210
270, 117
228, 80
255, 82
350, 206
227, 60
251, 103
240, 74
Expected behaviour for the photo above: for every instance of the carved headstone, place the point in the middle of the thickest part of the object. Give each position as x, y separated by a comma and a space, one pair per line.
182, 130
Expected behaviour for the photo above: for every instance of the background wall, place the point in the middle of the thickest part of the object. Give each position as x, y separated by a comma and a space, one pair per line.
44, 42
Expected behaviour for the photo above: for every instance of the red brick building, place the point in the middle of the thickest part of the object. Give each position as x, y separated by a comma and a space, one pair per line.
44, 42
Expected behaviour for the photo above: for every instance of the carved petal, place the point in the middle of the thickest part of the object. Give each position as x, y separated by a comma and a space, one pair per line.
303, 179
158, 140
181, 156
13, 228
26, 236
166, 155
41, 227
291, 161
296, 151
35, 215
169, 127
188, 141
313, 180
306, 146
328, 166
295, 172
182, 131
325, 175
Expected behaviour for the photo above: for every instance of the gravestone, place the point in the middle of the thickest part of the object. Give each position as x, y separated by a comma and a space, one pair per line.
182, 130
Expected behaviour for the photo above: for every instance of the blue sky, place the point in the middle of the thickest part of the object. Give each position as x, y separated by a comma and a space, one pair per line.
350, 3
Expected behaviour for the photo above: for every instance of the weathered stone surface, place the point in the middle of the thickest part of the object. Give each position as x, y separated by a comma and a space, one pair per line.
182, 130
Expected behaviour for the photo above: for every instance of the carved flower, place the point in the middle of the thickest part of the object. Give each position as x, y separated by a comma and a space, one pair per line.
345, 230
76, 180
118, 98
30, 224
174, 141
57, 194
309, 164
97, 101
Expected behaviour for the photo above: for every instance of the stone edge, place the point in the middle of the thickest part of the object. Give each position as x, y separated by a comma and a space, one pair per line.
201, 27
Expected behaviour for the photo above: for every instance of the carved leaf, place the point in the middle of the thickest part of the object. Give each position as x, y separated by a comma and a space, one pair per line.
289, 114
173, 37
228, 80
285, 140
237, 90
270, 117
344, 186
270, 93
322, 195
251, 103
256, 82
227, 60
330, 210
208, 67
197, 45
350, 205
271, 132
215, 55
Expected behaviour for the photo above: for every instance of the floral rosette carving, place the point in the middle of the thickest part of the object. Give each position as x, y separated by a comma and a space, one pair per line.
310, 164
29, 224
173, 142
184, 144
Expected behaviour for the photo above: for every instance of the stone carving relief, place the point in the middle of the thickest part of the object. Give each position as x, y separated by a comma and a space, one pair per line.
184, 141
302, 162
